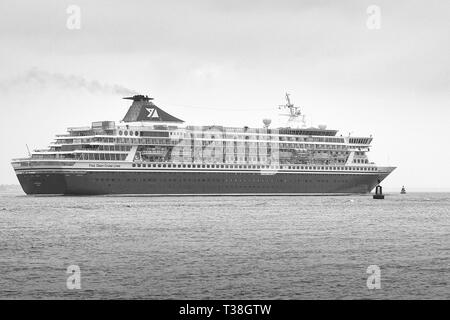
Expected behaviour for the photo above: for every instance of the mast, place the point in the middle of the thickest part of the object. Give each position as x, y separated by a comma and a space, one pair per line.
294, 112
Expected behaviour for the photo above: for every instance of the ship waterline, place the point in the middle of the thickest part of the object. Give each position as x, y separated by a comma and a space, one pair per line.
149, 152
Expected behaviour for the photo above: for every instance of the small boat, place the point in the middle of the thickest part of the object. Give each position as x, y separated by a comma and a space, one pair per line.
403, 190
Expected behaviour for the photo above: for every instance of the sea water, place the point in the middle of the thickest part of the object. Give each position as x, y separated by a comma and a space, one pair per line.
231, 247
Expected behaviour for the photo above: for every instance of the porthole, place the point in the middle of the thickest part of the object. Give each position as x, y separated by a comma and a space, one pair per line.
120, 132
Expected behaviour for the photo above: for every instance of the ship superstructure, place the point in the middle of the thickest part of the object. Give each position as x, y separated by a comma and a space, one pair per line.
153, 152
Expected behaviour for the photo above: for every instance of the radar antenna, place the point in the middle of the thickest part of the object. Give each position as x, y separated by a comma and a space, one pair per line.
294, 112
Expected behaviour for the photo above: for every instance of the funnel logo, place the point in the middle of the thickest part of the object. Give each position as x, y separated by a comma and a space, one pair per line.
152, 113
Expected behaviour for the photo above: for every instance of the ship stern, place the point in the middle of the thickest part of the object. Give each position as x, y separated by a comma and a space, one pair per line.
37, 181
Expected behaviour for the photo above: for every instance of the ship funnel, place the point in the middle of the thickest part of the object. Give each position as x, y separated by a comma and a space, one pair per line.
267, 122
143, 110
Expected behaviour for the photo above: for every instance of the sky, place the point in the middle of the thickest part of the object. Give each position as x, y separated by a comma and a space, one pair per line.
230, 63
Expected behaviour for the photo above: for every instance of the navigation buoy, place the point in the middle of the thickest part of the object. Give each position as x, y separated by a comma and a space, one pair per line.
378, 193
403, 190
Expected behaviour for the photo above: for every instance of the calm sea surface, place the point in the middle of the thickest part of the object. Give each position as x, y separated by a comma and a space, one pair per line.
225, 247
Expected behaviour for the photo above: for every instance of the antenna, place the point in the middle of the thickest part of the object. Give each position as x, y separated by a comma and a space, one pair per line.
288, 100
28, 149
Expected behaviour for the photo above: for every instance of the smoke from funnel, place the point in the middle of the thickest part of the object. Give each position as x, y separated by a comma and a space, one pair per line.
43, 79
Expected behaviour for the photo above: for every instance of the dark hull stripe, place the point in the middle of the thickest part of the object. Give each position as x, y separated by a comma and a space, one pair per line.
163, 183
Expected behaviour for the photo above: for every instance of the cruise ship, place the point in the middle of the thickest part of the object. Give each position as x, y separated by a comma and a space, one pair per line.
151, 152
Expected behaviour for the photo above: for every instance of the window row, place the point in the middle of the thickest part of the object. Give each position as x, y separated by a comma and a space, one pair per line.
266, 167
241, 180
114, 148
103, 156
